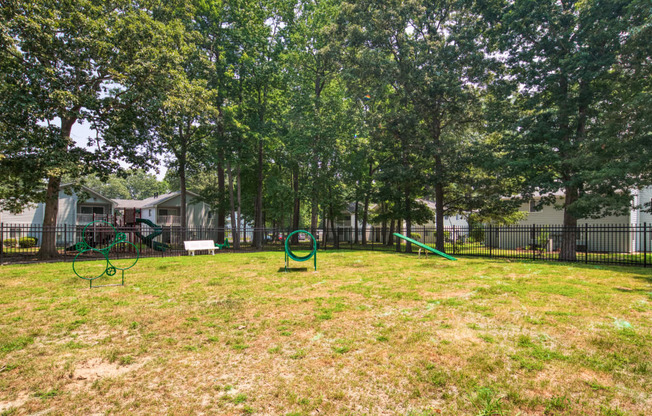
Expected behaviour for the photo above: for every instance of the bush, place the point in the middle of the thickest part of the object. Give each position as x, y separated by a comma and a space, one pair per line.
10, 242
27, 242
476, 235
415, 236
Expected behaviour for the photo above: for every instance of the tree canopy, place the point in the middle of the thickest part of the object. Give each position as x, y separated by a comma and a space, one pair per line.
285, 112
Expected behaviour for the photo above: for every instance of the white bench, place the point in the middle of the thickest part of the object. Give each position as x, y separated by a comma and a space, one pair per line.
193, 246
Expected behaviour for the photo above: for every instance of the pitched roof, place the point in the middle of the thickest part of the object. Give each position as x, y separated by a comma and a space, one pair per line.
150, 202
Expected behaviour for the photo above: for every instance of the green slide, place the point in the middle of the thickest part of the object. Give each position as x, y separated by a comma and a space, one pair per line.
424, 246
149, 239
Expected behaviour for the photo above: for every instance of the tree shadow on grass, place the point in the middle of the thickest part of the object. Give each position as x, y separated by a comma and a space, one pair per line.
637, 272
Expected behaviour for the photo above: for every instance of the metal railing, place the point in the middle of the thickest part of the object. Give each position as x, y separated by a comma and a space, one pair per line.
168, 220
595, 244
86, 218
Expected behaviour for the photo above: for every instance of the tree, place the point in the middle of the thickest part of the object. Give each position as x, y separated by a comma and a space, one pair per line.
131, 184
69, 62
564, 59
182, 126
427, 54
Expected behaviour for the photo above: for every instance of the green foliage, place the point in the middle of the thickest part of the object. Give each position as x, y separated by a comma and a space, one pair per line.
558, 108
27, 242
131, 184
9, 242
476, 233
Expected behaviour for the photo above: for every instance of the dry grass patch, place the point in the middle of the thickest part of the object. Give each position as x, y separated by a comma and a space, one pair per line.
368, 333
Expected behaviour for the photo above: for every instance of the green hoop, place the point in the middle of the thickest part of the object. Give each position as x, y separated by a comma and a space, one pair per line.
135, 259
290, 255
106, 258
110, 269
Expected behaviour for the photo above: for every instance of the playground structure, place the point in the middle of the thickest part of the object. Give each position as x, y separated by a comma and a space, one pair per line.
110, 269
148, 240
290, 255
425, 247
223, 246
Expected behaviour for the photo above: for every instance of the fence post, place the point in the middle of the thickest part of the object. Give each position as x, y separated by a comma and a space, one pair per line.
491, 237
645, 244
586, 243
2, 242
65, 241
534, 239
454, 239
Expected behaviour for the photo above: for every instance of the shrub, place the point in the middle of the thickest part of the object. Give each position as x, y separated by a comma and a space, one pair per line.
27, 242
415, 236
476, 235
10, 242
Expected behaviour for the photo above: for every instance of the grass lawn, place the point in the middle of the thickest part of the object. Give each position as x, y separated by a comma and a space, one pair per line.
368, 333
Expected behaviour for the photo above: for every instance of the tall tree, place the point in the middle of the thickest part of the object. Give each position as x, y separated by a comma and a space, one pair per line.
72, 62
563, 59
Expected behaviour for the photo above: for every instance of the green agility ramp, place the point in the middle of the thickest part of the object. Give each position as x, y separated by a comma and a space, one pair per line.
149, 239
290, 255
424, 246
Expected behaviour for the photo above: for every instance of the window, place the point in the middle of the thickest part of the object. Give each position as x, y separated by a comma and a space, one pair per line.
210, 214
91, 210
533, 206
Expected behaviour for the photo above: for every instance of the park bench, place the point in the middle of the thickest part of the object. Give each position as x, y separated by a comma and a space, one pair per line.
192, 246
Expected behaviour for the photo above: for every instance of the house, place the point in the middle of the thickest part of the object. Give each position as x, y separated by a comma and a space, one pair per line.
165, 210
74, 209
546, 221
456, 225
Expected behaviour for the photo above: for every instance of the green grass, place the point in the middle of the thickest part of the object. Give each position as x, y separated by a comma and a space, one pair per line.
368, 333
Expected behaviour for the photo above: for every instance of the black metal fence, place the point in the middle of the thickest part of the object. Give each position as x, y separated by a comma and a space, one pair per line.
597, 244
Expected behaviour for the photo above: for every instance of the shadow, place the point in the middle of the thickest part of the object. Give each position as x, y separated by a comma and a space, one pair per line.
293, 269
637, 272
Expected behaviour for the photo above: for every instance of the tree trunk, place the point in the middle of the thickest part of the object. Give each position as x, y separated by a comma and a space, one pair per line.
236, 241
408, 220
48, 243
390, 237
297, 204
383, 227
221, 208
336, 237
398, 230
314, 216
365, 218
182, 185
355, 215
258, 206
439, 216
568, 249
234, 230
49, 238
324, 228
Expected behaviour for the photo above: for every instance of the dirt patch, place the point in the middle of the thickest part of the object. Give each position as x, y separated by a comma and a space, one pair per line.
96, 368
14, 404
